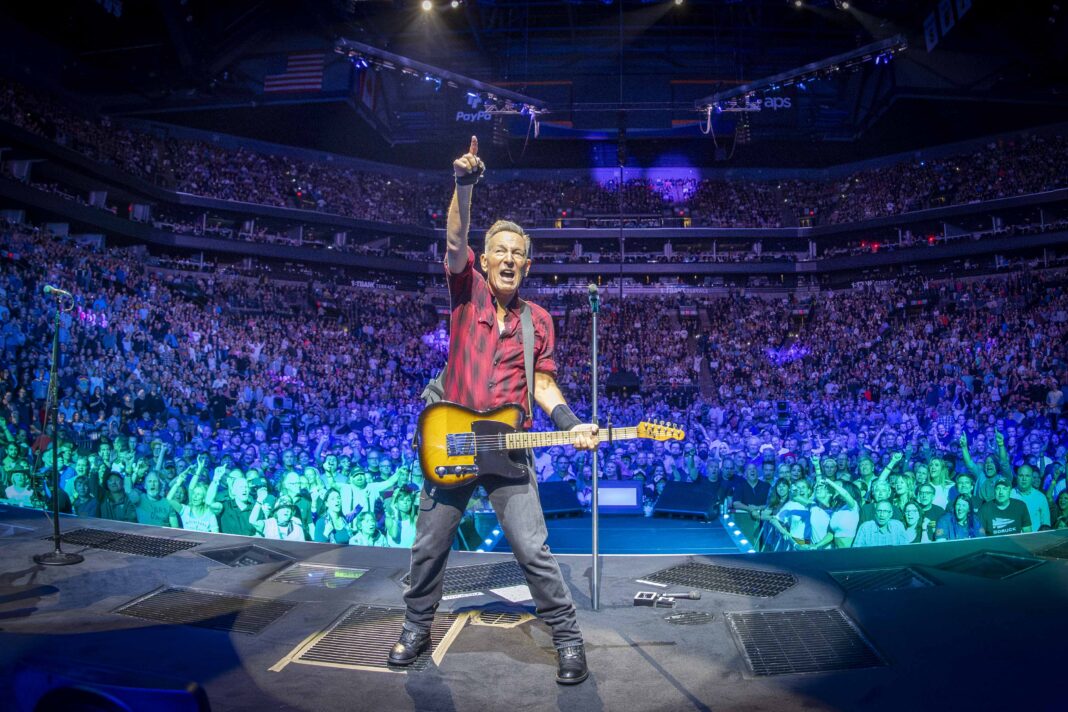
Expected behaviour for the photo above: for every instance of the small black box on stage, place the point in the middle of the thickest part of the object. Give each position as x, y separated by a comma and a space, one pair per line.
645, 598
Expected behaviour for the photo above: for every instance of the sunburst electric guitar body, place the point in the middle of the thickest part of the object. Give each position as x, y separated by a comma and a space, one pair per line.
457, 445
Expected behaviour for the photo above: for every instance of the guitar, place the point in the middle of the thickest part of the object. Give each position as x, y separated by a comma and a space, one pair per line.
458, 445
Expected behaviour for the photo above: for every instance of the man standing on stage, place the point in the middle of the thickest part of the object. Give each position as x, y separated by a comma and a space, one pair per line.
486, 370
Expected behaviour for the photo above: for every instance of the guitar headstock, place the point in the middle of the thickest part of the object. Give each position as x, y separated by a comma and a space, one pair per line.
660, 430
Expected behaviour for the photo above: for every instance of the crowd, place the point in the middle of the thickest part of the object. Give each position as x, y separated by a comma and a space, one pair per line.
218, 401
1002, 168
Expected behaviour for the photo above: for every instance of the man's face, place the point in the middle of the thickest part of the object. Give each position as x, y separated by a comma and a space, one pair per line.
883, 512
505, 262
961, 508
12, 450
1024, 478
881, 491
965, 485
1001, 493
283, 515
925, 495
152, 485
239, 489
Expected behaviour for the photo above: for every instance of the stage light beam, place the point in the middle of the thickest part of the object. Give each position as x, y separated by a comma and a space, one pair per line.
427, 6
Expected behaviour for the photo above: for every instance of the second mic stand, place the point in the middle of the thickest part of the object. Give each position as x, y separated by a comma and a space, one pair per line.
57, 557
595, 307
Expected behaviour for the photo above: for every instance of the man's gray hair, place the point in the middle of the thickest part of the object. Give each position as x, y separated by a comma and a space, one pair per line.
507, 226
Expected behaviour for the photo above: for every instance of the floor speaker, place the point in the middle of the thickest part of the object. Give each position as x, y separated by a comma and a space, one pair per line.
558, 499
687, 499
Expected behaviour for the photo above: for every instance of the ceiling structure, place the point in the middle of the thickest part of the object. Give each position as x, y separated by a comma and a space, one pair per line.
625, 72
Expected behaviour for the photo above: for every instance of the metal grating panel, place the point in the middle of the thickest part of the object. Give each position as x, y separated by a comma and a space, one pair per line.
889, 579
1057, 551
689, 618
482, 577
798, 641
364, 636
154, 546
207, 609
724, 579
245, 555
992, 564
500, 619
319, 575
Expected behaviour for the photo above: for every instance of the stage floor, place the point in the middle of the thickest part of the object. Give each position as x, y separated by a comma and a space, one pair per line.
948, 636
623, 534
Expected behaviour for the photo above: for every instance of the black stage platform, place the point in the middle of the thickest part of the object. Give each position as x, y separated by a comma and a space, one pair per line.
636, 534
943, 626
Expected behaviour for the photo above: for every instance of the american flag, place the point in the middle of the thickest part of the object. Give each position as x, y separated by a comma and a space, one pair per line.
304, 72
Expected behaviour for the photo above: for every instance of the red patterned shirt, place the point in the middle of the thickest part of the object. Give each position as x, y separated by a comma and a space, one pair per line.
485, 368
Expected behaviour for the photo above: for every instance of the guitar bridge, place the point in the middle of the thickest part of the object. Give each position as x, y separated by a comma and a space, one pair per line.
460, 444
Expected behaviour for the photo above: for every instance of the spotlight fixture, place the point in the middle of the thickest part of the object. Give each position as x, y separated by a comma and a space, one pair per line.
841, 4
454, 4
798, 4
678, 2
427, 6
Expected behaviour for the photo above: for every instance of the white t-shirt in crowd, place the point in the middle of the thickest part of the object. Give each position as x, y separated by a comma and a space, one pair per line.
207, 522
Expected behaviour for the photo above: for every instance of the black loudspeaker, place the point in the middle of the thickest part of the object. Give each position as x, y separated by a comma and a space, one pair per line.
39, 687
558, 499
686, 499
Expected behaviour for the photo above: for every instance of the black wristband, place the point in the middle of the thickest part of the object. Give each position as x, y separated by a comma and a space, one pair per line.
470, 178
563, 418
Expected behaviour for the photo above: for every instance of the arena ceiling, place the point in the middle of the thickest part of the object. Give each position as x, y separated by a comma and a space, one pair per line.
601, 66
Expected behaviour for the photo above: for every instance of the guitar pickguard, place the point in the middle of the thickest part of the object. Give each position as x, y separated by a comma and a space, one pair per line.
491, 456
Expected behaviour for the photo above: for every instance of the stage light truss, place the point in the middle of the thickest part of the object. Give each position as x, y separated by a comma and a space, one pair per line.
492, 99
738, 99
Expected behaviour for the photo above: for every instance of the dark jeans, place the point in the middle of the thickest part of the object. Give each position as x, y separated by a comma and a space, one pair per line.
519, 514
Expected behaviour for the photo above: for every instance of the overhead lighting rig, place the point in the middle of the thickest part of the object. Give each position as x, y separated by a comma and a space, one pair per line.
739, 99
495, 100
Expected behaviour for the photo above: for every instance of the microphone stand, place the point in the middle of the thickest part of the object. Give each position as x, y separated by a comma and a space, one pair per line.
57, 557
595, 307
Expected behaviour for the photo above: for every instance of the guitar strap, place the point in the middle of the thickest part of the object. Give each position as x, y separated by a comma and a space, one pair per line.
528, 354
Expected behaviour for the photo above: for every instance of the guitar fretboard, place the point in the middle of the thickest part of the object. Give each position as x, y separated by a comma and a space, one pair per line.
521, 441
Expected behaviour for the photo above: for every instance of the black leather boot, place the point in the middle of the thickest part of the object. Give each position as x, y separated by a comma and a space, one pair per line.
571, 665
408, 647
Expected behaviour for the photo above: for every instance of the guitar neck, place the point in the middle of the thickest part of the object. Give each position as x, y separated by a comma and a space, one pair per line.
522, 441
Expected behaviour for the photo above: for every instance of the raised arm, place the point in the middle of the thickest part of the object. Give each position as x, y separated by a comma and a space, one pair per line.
466, 170
213, 489
894, 459
968, 461
1004, 466
842, 492
172, 493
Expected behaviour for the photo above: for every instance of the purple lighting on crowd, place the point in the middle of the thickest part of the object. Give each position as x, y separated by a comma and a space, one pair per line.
781, 357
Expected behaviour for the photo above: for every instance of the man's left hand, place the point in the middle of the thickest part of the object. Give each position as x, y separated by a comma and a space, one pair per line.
585, 436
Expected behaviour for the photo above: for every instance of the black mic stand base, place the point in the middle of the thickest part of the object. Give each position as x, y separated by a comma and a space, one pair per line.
58, 558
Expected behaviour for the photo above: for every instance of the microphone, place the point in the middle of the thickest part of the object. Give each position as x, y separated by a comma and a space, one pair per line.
691, 596
595, 297
49, 289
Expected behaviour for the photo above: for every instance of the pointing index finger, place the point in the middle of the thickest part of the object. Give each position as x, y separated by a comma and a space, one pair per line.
474, 146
